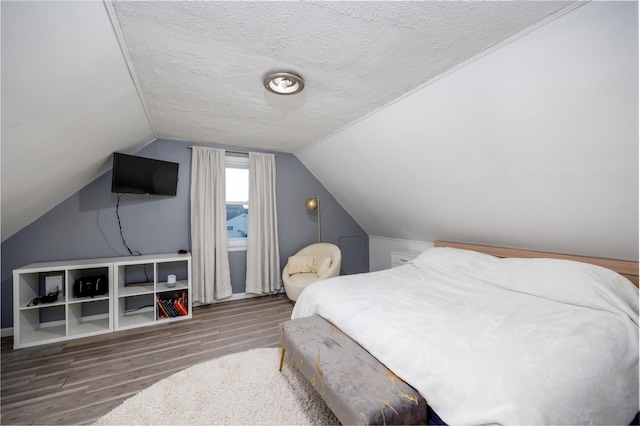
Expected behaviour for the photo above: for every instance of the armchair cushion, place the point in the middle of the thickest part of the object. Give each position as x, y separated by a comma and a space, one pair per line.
300, 264
303, 279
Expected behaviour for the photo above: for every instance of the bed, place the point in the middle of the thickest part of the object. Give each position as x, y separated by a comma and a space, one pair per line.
489, 335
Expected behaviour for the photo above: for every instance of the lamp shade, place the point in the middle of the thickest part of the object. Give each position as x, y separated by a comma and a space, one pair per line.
311, 203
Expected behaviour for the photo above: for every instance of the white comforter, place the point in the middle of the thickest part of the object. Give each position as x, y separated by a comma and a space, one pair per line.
488, 340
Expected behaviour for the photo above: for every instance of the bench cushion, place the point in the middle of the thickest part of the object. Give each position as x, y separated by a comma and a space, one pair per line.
355, 385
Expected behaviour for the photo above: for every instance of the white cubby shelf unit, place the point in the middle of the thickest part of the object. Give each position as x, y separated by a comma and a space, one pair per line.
126, 304
141, 286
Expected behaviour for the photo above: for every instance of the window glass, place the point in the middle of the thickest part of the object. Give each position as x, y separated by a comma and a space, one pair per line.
237, 194
237, 185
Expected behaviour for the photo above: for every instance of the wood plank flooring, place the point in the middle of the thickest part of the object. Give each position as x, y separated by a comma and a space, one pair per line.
78, 381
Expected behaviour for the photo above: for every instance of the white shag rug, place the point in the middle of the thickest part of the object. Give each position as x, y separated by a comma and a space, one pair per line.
245, 388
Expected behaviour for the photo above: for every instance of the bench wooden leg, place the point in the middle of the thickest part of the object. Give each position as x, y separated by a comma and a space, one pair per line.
281, 359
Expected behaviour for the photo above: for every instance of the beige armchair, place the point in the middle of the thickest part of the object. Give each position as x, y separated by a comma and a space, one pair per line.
315, 262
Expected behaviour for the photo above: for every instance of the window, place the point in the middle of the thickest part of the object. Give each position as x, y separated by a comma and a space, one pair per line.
237, 192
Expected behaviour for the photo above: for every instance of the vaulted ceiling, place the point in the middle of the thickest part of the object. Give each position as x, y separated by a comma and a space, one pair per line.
83, 79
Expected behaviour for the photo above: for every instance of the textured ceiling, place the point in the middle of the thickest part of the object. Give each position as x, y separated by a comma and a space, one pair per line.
200, 64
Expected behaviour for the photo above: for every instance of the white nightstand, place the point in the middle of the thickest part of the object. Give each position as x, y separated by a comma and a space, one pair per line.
399, 258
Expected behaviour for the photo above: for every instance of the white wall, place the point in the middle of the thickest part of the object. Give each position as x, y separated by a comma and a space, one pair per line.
534, 145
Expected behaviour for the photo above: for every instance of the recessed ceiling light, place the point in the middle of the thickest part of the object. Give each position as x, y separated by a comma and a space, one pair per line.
283, 83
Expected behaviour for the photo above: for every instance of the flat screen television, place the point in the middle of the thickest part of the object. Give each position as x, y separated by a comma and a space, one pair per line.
139, 175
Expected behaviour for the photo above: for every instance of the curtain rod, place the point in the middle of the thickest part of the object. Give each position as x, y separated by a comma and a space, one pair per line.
233, 151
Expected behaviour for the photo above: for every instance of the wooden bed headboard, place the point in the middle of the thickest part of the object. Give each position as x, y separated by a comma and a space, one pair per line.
625, 268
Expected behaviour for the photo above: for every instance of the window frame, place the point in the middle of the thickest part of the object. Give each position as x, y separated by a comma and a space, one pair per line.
236, 162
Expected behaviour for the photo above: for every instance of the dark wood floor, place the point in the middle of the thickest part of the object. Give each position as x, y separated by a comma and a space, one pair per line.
78, 381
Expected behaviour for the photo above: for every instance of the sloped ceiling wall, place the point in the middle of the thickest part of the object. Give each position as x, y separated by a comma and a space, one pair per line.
68, 102
533, 146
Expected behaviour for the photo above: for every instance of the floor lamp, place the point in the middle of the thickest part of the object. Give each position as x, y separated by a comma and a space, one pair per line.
313, 203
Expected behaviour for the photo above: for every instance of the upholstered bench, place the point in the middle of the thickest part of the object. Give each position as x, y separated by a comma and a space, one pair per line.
355, 385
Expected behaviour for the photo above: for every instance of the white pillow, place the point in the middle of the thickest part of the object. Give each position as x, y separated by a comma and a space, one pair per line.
299, 264
321, 265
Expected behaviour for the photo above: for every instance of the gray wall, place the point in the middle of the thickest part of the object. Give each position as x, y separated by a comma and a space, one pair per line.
85, 224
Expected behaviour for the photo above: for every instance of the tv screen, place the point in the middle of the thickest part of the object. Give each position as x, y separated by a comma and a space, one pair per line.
139, 175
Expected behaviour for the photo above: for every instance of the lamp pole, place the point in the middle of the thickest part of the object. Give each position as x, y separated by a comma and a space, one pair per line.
313, 203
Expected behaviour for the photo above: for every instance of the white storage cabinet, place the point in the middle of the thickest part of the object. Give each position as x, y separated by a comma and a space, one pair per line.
141, 282
67, 318
127, 304
399, 258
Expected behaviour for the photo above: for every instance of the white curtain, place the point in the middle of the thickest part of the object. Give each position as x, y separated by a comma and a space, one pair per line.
211, 277
263, 256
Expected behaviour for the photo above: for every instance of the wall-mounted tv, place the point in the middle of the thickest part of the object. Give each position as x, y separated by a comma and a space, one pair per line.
139, 175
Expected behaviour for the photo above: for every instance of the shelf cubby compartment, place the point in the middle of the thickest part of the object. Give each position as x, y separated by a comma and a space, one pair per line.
30, 286
166, 302
179, 268
135, 273
42, 325
135, 278
135, 311
89, 317
74, 275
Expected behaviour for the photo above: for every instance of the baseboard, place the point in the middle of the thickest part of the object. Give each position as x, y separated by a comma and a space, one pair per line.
6, 332
240, 296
